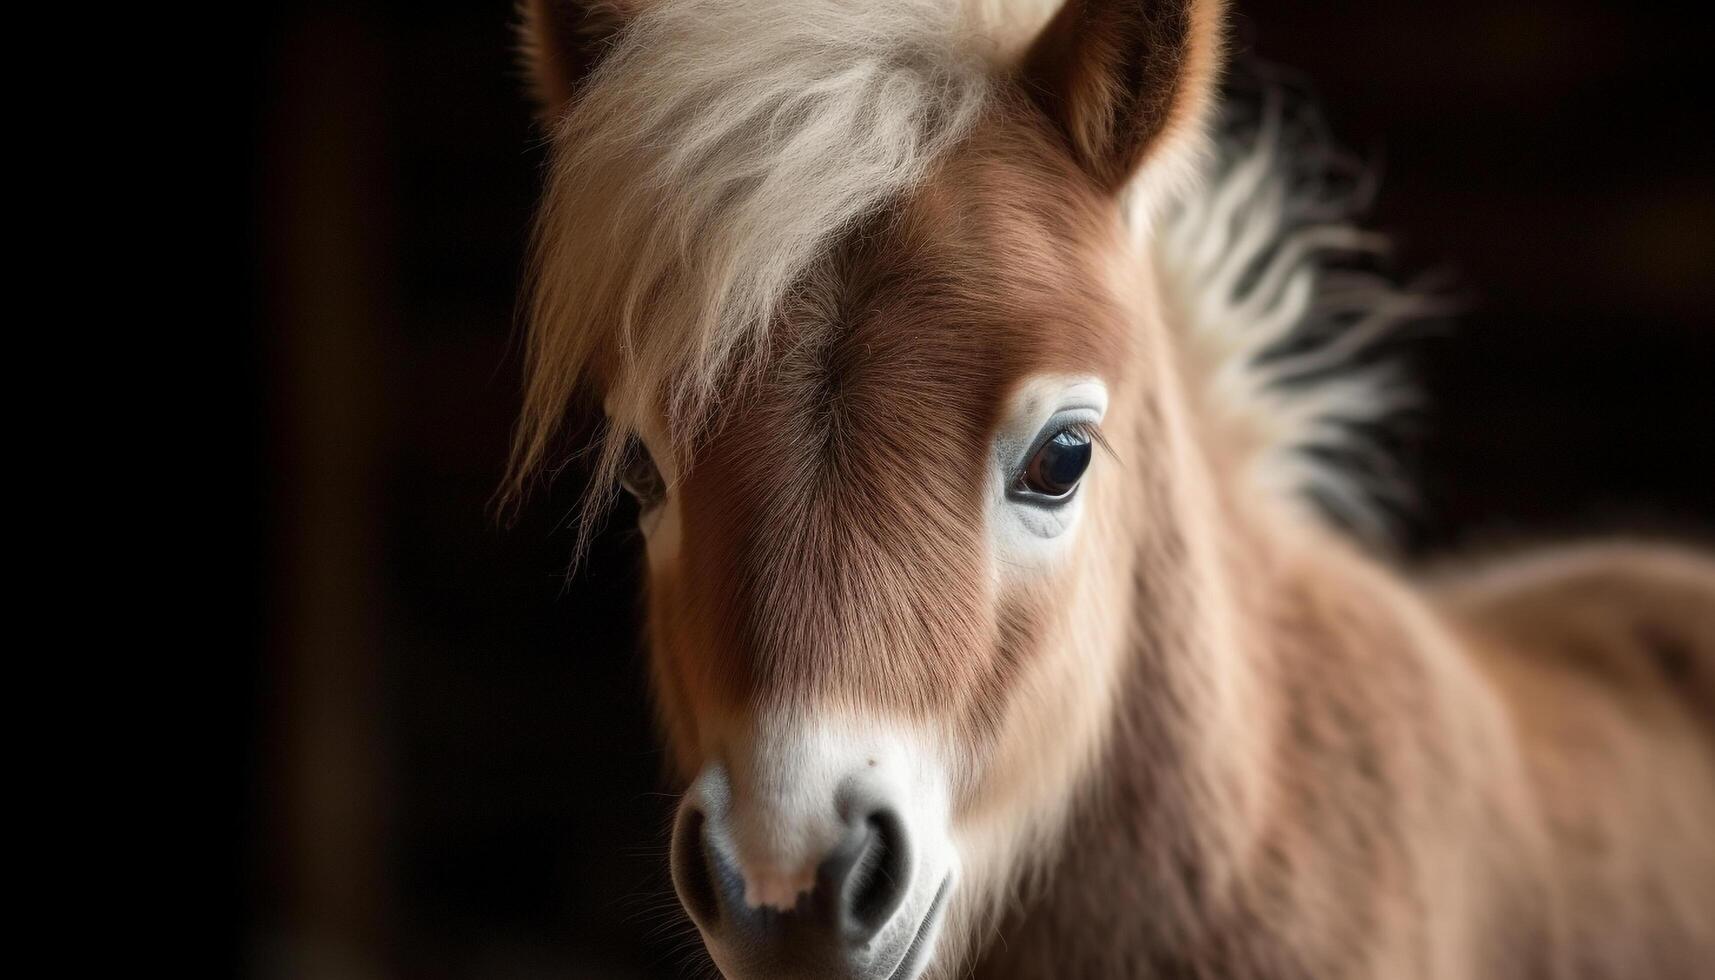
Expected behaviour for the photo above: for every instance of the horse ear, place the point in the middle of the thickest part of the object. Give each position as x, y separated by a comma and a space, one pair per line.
1121, 77
561, 42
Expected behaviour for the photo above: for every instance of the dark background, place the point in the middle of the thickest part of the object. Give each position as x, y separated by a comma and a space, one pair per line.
449, 768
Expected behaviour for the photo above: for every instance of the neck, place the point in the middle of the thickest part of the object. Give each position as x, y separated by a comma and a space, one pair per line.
1276, 796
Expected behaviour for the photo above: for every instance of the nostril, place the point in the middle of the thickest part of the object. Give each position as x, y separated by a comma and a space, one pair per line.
693, 871
879, 878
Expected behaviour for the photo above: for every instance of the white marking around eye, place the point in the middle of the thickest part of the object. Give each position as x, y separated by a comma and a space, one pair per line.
1027, 536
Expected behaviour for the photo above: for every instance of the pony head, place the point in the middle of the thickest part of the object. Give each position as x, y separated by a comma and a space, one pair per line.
859, 289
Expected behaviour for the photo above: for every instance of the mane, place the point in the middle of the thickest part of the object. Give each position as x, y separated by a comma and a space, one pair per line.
722, 147
1286, 320
717, 152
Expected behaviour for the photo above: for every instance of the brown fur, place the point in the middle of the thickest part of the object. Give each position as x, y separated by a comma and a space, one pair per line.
1486, 809
1302, 764
871, 434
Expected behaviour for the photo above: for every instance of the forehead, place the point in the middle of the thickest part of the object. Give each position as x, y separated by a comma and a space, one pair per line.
924, 318
994, 271
838, 502
1005, 251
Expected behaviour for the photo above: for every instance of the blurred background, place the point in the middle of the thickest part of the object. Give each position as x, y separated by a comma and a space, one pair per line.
447, 764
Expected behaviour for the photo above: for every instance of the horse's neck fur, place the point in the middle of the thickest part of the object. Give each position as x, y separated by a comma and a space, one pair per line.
1298, 763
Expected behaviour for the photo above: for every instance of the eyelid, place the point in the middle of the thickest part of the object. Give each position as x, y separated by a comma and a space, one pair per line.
1083, 421
1086, 430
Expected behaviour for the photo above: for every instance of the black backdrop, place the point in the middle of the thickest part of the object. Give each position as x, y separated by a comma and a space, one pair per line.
450, 769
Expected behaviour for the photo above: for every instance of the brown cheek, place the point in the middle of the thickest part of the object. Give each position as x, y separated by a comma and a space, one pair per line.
686, 686
674, 703
1022, 620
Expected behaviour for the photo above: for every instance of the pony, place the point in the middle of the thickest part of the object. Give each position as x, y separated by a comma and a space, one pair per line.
961, 377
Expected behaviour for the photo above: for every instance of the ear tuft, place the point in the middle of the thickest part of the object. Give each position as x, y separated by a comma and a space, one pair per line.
562, 41
1120, 77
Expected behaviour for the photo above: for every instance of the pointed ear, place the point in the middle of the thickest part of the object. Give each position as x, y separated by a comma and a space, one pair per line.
1122, 77
561, 42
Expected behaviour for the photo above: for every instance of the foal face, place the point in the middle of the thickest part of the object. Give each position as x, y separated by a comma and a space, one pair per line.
859, 582
888, 577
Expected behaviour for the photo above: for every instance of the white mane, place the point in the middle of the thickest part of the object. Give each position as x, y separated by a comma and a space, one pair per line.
719, 149
1280, 339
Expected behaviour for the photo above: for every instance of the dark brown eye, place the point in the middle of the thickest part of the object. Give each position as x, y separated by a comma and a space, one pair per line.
1057, 465
639, 476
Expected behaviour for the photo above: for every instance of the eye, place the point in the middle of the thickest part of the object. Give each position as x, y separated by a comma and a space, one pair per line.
639, 476
1054, 469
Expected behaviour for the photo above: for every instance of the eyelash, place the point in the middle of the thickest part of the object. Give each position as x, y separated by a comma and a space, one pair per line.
1087, 429
1084, 428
